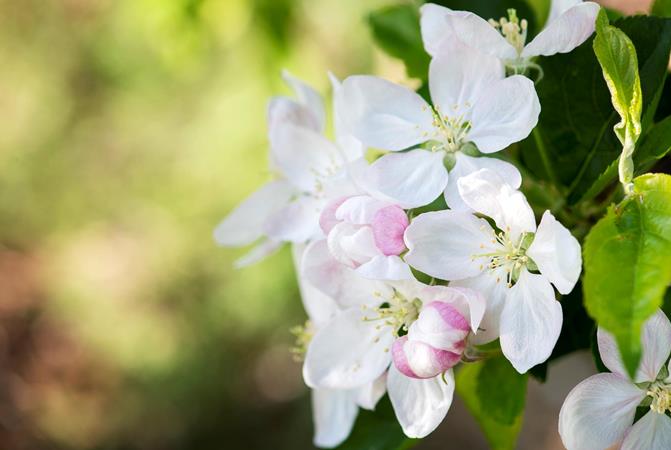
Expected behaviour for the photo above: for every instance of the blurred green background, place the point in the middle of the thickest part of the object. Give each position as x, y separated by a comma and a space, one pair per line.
128, 129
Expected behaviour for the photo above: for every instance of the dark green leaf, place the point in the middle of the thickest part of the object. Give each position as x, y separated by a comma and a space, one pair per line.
655, 145
628, 263
575, 126
396, 30
378, 430
495, 394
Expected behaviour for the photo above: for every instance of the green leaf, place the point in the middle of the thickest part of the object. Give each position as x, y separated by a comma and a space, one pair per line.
396, 30
378, 430
495, 394
627, 257
654, 146
574, 132
661, 8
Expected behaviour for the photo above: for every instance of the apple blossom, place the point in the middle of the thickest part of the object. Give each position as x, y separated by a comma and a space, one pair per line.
599, 412
513, 265
473, 103
366, 234
355, 347
310, 170
569, 24
334, 410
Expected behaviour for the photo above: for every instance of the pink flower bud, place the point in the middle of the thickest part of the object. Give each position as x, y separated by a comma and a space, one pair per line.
417, 359
389, 225
441, 326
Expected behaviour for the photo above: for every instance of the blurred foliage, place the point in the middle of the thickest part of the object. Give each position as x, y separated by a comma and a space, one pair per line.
129, 129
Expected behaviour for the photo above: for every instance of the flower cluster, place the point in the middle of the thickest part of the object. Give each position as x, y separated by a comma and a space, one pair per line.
488, 271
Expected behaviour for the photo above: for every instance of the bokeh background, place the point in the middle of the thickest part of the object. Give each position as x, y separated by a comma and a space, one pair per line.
128, 129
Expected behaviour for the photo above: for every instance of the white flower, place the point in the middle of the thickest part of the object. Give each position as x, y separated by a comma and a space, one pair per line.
354, 348
310, 171
464, 249
569, 24
366, 234
599, 412
473, 102
334, 411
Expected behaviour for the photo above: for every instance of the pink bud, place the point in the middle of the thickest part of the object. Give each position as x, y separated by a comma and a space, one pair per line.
389, 225
442, 326
417, 359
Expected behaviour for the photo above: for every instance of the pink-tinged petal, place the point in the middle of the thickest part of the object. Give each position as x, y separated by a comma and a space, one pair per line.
416, 359
359, 209
420, 405
389, 225
598, 411
409, 179
348, 352
385, 115
245, 223
556, 253
328, 219
531, 321
389, 268
487, 193
466, 165
441, 326
506, 112
333, 416
444, 244
492, 285
564, 33
308, 97
651, 432
656, 343
352, 245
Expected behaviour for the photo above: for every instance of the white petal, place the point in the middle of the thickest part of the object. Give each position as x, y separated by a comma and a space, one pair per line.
506, 112
651, 432
458, 75
385, 268
368, 395
308, 97
259, 252
469, 302
466, 165
410, 179
319, 307
556, 253
420, 405
443, 244
245, 223
337, 281
559, 7
304, 156
297, 222
351, 147
492, 285
359, 209
486, 192
283, 111
352, 245
333, 414
385, 115
442, 26
598, 411
530, 322
656, 343
565, 32
348, 352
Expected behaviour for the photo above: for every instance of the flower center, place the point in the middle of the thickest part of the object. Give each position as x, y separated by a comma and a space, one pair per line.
513, 29
304, 334
450, 130
509, 255
397, 312
661, 397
